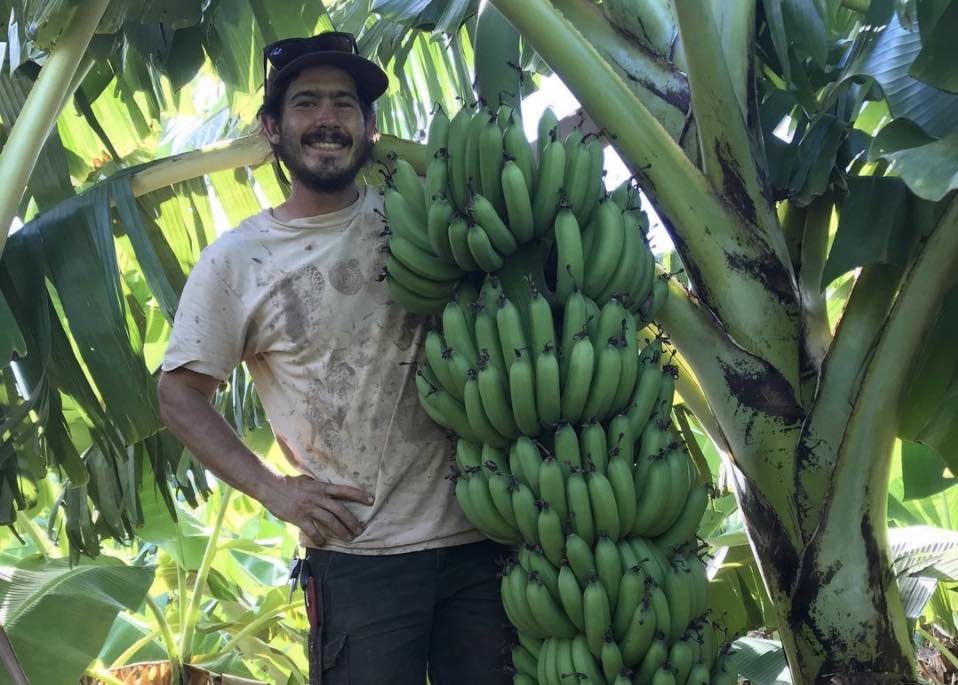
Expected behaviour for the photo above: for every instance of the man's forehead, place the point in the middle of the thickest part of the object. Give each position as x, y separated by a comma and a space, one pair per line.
324, 79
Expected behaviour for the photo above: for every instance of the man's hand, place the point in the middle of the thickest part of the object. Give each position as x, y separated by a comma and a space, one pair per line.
315, 507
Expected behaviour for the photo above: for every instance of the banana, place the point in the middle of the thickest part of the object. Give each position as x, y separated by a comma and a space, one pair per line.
494, 391
605, 512
623, 195
416, 284
620, 439
468, 455
517, 149
564, 663
575, 391
570, 266
549, 574
490, 164
487, 339
646, 390
596, 188
581, 560
544, 658
630, 364
624, 678
631, 591
458, 332
604, 382
551, 669
627, 268
597, 614
548, 387
700, 585
580, 508
653, 442
459, 370
488, 518
684, 527
542, 332
619, 473
524, 662
530, 463
570, 595
576, 182
699, 675
608, 566
584, 662
650, 558
661, 608
476, 414
665, 675
639, 633
527, 515
444, 409
515, 193
611, 322
682, 658
663, 408
438, 136
514, 586
677, 591
456, 149
533, 645
522, 393
437, 181
511, 331
642, 286
548, 130
567, 448
545, 610
593, 446
500, 490
458, 235
435, 344
609, 244
611, 658
654, 496
406, 181
550, 534
421, 261
680, 483
592, 313
473, 173
486, 215
708, 640
656, 300
437, 227
482, 250
552, 487
656, 655
545, 203
574, 319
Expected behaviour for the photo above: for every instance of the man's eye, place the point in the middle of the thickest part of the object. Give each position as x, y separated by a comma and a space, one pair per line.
306, 103
344, 103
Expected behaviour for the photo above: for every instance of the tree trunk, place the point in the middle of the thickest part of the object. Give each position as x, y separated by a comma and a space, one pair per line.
841, 616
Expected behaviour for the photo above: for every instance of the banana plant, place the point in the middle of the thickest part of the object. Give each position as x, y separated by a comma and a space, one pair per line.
800, 153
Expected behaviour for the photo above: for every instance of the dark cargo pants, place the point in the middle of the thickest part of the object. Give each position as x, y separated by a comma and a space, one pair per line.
387, 619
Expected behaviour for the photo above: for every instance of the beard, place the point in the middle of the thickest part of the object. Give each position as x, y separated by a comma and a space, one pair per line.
327, 174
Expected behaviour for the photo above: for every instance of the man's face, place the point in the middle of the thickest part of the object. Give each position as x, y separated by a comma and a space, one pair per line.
322, 137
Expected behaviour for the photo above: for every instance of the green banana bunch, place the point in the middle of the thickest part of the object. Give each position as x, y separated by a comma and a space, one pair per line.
566, 448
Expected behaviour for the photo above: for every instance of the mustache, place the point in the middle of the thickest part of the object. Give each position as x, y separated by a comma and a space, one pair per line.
327, 136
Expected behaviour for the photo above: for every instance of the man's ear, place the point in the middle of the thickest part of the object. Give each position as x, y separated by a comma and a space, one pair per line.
372, 128
270, 128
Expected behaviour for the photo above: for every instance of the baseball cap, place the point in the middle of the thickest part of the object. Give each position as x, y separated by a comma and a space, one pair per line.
290, 56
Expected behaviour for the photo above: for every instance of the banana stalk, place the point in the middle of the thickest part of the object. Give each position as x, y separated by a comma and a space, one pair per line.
40, 111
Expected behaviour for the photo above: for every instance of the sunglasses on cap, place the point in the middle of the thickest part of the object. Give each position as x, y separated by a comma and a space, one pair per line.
284, 51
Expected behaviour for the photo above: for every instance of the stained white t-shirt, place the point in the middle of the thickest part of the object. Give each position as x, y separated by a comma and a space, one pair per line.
332, 357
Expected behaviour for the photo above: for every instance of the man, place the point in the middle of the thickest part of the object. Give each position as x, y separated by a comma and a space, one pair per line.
398, 578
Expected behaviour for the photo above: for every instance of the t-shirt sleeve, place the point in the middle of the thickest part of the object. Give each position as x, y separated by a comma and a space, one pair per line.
209, 329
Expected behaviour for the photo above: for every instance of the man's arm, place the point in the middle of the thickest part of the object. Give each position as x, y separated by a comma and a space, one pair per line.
312, 506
